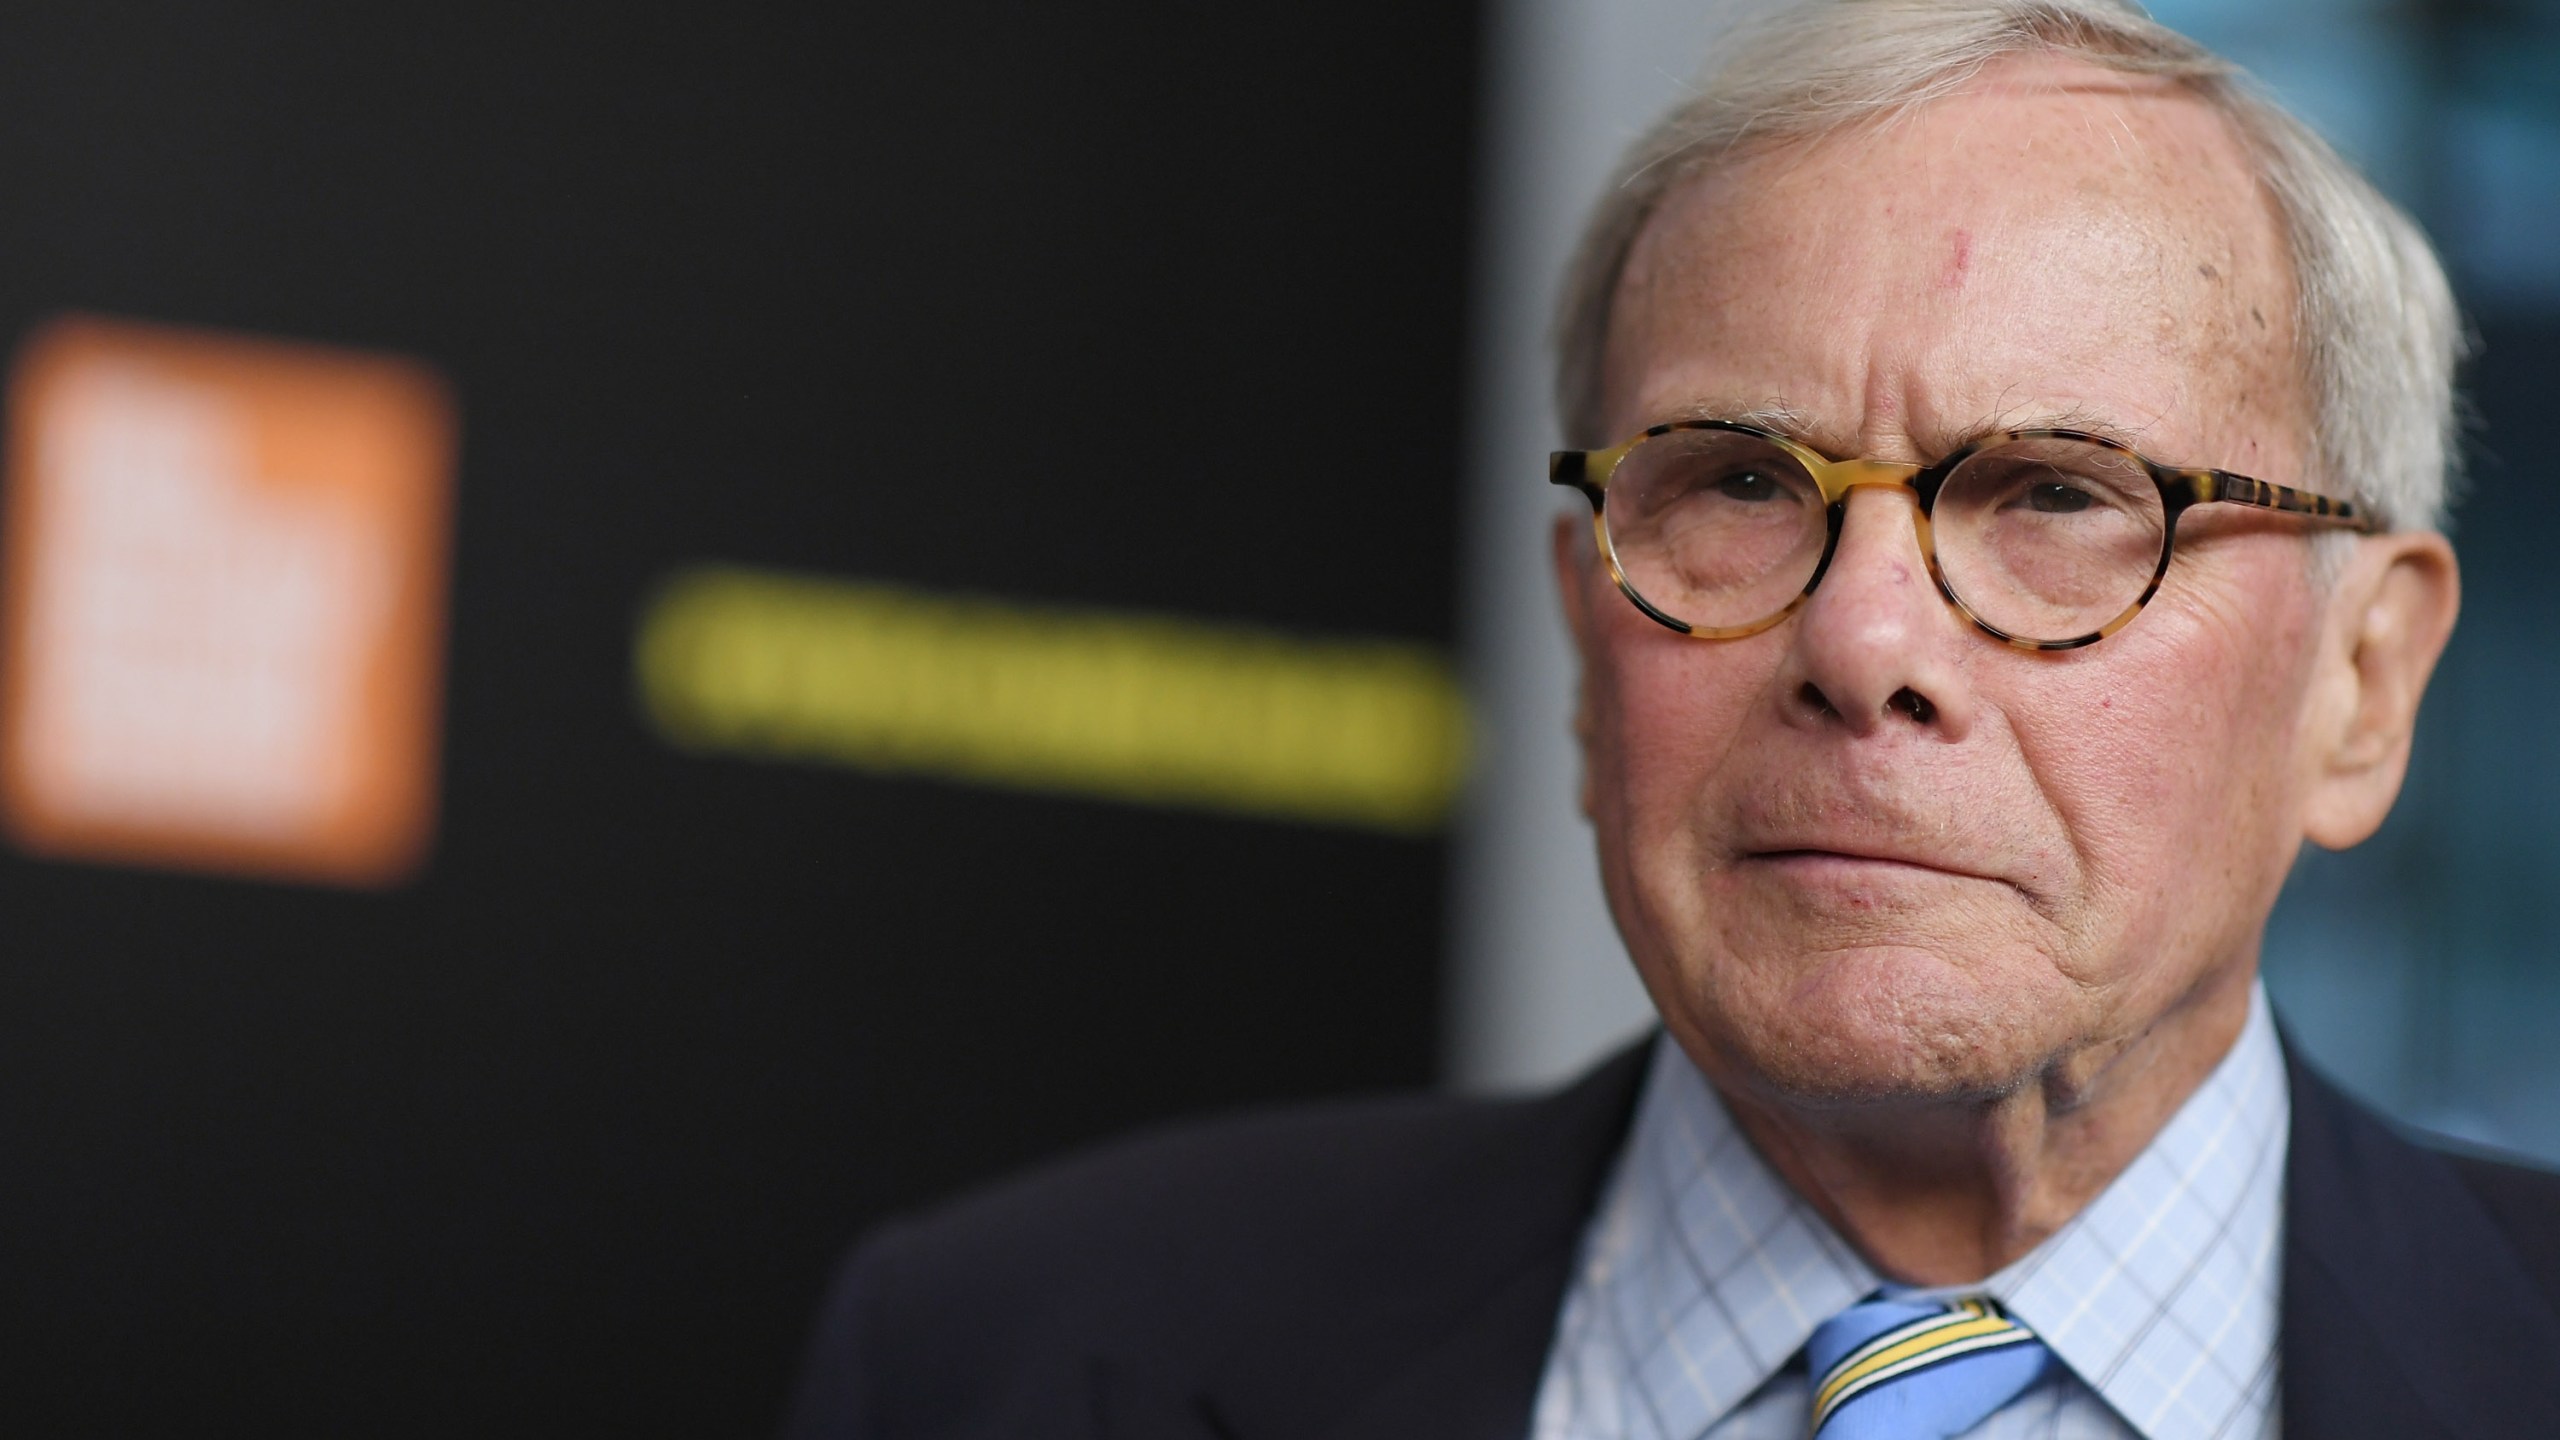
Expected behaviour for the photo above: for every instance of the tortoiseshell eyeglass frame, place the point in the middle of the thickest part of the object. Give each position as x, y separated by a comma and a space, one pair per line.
1589, 471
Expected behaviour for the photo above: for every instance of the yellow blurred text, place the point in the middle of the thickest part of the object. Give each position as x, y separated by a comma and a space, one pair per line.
1147, 709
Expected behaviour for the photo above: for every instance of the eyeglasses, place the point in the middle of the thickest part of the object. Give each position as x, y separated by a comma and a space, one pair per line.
2046, 539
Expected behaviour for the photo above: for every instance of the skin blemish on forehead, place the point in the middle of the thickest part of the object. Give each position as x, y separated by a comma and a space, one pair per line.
1970, 299
1959, 259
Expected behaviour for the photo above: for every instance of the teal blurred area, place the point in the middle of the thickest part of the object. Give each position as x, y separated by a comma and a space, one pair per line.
2419, 967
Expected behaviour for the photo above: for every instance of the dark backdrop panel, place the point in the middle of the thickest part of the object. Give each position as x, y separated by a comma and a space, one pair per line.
1064, 306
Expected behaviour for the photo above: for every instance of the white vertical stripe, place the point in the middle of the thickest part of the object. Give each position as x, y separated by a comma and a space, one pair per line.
1539, 983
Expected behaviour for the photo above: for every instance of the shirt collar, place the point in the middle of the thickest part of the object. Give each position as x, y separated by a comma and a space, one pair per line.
1706, 1273
2163, 1294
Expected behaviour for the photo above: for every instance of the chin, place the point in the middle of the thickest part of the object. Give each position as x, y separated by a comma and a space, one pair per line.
1882, 1023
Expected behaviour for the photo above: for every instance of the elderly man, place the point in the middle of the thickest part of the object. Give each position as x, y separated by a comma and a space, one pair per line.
2014, 456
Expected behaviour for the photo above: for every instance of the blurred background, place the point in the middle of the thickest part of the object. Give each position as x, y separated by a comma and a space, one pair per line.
769, 620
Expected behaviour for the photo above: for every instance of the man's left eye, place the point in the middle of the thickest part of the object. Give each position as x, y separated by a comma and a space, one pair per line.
2055, 498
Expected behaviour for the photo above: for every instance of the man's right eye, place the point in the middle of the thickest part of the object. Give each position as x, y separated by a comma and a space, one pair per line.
1749, 486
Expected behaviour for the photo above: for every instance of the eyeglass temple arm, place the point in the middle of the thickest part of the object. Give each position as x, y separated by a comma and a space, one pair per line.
1585, 470
2210, 485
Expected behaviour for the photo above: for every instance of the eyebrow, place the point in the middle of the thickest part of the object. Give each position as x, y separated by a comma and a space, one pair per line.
1784, 419
2080, 418
1774, 415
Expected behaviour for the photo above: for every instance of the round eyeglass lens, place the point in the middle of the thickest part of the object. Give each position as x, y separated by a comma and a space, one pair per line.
2049, 539
1715, 528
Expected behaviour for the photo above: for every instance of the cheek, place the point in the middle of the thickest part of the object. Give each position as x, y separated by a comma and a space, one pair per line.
2168, 753
1666, 714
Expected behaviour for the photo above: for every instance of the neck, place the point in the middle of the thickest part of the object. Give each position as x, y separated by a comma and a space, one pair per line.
1949, 1192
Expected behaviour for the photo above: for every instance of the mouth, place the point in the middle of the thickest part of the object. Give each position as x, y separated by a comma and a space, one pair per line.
1827, 860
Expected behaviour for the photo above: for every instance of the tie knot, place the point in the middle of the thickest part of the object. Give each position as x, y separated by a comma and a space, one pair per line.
1908, 1367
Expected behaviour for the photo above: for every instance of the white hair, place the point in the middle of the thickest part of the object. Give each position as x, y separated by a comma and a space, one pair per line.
2374, 320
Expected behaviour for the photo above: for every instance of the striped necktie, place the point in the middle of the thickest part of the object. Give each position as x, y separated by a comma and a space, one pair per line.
1909, 1368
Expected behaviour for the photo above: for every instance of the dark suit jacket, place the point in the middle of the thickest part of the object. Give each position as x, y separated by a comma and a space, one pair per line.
1394, 1269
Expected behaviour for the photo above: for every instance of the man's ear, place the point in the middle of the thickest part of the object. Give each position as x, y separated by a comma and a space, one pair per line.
1570, 538
2390, 615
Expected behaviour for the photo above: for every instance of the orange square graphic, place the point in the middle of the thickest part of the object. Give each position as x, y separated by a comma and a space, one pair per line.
222, 612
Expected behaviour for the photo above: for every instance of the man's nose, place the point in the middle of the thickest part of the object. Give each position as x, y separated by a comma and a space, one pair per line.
1875, 645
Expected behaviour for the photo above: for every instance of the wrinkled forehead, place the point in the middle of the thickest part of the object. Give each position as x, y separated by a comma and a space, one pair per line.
2051, 235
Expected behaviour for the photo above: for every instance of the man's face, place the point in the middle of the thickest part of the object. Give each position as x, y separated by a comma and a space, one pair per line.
1831, 892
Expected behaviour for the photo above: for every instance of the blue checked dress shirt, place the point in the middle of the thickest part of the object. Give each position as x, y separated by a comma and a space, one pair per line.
1702, 1275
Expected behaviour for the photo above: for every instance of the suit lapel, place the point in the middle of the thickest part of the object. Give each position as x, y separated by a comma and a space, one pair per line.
2406, 1313
1443, 1331
2405, 1309
1479, 1381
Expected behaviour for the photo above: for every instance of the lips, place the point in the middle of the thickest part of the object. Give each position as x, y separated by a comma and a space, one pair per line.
1830, 853
1826, 818
1870, 831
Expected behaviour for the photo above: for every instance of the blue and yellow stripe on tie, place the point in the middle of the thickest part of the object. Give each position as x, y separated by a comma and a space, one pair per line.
1967, 1328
